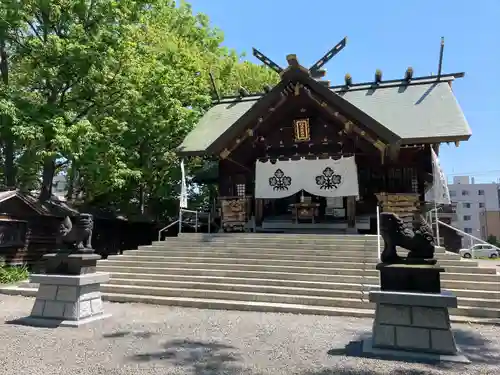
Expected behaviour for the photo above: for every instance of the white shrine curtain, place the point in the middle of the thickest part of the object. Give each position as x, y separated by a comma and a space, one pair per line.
277, 180
322, 177
330, 178
439, 192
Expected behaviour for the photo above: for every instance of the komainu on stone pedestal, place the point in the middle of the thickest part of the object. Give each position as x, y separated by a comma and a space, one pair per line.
75, 255
411, 313
419, 239
78, 236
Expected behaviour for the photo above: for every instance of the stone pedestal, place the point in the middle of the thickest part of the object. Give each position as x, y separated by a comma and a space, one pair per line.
413, 321
68, 300
411, 316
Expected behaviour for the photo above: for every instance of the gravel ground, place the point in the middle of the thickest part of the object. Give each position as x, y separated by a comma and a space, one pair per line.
147, 339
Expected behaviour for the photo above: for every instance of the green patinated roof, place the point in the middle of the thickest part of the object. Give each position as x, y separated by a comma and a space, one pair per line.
214, 123
416, 112
427, 113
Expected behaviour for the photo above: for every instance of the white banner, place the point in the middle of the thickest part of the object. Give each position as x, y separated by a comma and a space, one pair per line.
277, 180
184, 196
331, 178
321, 177
439, 192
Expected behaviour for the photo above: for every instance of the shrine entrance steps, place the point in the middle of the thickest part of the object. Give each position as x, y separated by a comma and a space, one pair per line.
289, 273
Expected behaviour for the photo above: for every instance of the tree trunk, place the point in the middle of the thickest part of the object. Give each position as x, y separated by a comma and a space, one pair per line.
6, 125
71, 182
142, 198
143, 164
49, 169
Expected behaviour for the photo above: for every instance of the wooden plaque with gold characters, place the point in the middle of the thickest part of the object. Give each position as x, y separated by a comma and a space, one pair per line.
301, 130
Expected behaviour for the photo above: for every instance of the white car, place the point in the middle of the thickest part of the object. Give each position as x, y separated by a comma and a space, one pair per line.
480, 251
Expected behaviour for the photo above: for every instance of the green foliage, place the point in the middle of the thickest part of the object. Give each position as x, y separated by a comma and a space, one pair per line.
10, 275
104, 91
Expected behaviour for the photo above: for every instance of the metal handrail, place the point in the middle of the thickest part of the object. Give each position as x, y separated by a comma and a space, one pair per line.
192, 211
378, 233
467, 234
438, 236
181, 210
163, 229
196, 219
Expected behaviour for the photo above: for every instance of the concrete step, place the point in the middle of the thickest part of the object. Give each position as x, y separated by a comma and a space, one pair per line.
280, 266
341, 252
462, 288
275, 242
288, 248
268, 242
148, 279
210, 257
238, 296
260, 245
287, 274
342, 290
344, 299
460, 315
279, 244
288, 237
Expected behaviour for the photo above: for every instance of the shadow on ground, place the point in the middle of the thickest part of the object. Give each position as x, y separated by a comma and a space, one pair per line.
122, 334
207, 358
351, 371
27, 321
475, 347
210, 358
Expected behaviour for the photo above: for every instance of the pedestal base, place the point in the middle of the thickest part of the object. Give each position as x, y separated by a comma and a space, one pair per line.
369, 349
70, 300
416, 322
71, 264
420, 278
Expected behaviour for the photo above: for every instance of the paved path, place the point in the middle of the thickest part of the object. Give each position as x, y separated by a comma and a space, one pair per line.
146, 339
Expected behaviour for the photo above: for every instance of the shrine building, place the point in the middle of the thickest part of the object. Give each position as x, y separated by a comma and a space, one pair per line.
304, 155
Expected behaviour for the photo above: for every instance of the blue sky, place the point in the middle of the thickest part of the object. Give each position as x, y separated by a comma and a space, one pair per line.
389, 35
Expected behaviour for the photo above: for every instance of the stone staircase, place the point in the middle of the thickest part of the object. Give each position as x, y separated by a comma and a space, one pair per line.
306, 273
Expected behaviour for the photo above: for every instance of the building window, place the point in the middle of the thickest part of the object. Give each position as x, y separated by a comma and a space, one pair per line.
466, 205
465, 192
453, 193
468, 230
481, 205
240, 190
480, 192
467, 217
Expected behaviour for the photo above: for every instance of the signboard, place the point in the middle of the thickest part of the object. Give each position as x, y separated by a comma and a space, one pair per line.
301, 130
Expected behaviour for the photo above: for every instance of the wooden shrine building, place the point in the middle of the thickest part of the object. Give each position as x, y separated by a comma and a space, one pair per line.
307, 155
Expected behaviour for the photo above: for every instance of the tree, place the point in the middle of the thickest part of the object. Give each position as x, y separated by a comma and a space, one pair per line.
104, 91
171, 96
9, 20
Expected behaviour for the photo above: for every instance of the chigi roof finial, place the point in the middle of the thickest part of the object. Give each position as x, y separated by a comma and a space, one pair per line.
441, 51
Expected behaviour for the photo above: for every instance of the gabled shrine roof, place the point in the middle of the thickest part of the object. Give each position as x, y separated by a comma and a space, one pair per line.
421, 112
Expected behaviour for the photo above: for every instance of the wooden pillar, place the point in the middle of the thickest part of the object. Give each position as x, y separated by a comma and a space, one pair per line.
259, 207
351, 212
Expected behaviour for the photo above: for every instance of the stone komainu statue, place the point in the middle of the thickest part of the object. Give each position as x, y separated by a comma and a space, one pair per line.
419, 240
77, 235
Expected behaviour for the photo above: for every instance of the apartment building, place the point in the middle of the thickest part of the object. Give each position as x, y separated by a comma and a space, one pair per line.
490, 224
472, 202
